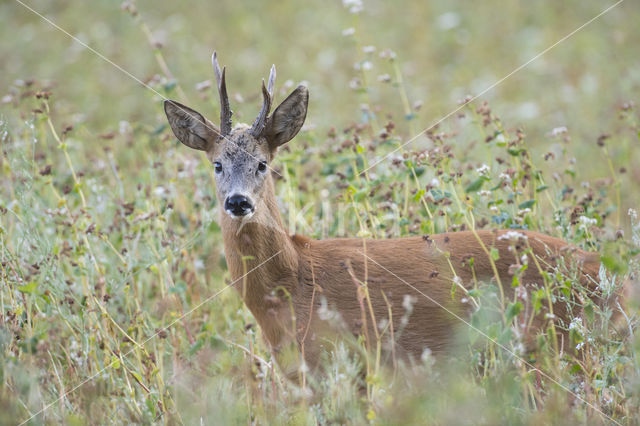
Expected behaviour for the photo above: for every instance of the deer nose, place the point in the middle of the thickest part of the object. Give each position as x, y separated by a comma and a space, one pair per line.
238, 205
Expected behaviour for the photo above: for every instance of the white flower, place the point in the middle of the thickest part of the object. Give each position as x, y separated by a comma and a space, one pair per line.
505, 177
388, 54
576, 324
512, 236
448, 21
557, 131
585, 222
385, 78
408, 302
484, 193
159, 191
369, 49
426, 355
434, 182
198, 264
348, 31
354, 6
483, 170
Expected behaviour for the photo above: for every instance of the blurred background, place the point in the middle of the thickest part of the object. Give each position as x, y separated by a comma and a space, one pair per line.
108, 227
446, 50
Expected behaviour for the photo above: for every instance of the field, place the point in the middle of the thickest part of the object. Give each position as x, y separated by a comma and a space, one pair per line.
424, 117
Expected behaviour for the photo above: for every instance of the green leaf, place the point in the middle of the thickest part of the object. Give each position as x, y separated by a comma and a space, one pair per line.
536, 299
527, 204
475, 185
614, 263
28, 288
542, 188
115, 362
197, 345
495, 254
513, 310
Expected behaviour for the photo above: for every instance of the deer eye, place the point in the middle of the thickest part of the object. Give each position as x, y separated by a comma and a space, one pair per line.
218, 167
262, 166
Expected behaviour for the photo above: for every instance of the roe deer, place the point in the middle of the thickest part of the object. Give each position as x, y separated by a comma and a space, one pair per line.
298, 275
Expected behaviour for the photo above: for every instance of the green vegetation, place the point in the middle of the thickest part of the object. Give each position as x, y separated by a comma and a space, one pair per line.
113, 299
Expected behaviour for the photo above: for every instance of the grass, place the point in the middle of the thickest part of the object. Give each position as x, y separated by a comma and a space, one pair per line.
112, 271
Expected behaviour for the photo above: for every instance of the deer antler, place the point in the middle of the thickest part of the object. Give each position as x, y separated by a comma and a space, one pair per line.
225, 110
267, 96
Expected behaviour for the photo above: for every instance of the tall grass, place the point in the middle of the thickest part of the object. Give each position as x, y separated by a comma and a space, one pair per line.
113, 279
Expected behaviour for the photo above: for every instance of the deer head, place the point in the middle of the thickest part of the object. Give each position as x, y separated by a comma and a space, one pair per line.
240, 155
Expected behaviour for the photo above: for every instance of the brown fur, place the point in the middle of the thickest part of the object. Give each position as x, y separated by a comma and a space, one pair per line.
285, 280
299, 263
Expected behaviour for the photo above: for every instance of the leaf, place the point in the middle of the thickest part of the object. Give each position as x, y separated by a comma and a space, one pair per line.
475, 185
614, 263
513, 310
115, 363
527, 204
197, 345
495, 254
29, 288
542, 188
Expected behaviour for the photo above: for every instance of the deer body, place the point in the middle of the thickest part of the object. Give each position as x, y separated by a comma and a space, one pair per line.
287, 281
312, 270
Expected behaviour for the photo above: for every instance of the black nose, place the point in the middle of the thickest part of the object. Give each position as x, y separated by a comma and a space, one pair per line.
238, 205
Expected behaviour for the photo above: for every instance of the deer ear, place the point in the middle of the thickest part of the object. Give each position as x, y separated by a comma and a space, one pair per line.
190, 127
287, 119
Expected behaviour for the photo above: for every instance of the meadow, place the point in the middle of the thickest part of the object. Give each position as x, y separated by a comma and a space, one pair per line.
424, 117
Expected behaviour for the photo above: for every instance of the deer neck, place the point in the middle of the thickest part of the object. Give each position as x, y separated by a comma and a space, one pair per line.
260, 255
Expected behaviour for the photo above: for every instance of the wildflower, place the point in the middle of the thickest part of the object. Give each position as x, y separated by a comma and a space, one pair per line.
586, 222
512, 236
576, 324
348, 31
354, 6
434, 182
448, 21
369, 49
426, 355
505, 177
385, 78
408, 301
484, 193
483, 170
557, 131
388, 54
